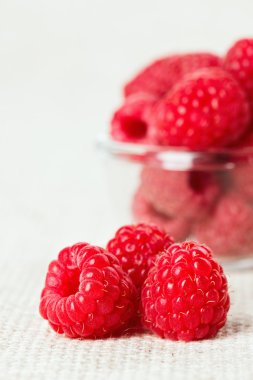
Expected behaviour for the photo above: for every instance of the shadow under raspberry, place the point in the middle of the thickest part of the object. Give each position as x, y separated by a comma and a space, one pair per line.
237, 325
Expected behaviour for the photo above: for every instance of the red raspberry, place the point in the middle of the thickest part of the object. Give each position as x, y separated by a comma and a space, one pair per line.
143, 211
207, 109
158, 77
239, 62
246, 141
179, 193
185, 296
136, 247
87, 294
243, 180
129, 122
228, 231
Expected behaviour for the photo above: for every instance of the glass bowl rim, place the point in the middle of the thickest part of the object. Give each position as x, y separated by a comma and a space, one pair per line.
176, 158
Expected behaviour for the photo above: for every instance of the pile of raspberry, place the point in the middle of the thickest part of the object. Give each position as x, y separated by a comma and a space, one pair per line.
194, 102
142, 280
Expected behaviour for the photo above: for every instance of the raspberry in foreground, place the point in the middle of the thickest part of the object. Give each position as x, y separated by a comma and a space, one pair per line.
179, 194
87, 294
239, 62
136, 247
160, 76
228, 230
207, 109
185, 296
130, 121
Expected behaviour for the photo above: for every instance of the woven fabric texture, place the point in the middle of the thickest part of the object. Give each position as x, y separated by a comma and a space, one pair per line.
30, 350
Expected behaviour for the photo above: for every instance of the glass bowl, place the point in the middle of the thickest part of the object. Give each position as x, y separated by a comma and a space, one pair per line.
203, 196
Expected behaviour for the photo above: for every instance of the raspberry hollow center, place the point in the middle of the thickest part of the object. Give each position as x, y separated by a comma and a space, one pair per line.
198, 181
134, 128
72, 283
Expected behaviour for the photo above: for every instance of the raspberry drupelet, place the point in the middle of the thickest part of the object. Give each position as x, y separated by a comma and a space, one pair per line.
207, 109
136, 247
185, 296
239, 62
161, 75
87, 294
130, 122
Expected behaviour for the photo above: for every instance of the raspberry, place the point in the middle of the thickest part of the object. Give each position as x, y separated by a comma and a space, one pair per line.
185, 296
129, 122
206, 109
143, 211
243, 180
158, 77
246, 141
87, 294
179, 193
239, 62
228, 230
136, 247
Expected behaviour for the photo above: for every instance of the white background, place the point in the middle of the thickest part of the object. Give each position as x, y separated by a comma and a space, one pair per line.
62, 64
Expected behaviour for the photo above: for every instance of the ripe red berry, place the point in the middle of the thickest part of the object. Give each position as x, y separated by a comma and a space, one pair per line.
206, 109
130, 121
87, 294
159, 77
246, 141
136, 247
228, 230
243, 181
185, 296
184, 194
143, 211
239, 62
